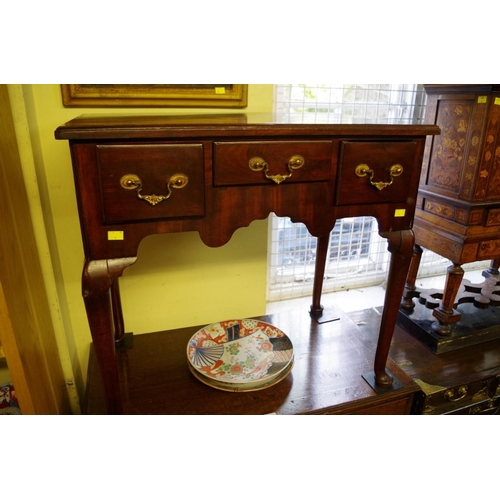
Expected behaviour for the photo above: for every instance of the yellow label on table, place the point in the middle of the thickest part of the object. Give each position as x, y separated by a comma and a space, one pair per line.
482, 99
220, 90
497, 100
115, 235
400, 212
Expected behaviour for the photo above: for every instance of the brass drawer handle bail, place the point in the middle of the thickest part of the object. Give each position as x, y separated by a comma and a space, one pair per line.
258, 164
363, 170
461, 393
132, 181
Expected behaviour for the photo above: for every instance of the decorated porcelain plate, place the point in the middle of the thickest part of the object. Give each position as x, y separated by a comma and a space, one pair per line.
240, 355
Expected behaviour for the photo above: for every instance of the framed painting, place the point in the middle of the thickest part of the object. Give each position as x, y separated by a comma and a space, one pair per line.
210, 95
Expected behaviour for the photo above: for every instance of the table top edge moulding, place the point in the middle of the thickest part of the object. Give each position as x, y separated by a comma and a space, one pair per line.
138, 175
115, 126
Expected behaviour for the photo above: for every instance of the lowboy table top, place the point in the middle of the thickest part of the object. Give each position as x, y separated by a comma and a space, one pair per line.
90, 126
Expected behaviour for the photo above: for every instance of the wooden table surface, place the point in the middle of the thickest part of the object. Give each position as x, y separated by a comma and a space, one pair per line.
419, 362
330, 361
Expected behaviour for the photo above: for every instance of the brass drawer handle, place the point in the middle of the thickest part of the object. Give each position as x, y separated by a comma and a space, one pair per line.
461, 393
258, 164
132, 181
490, 408
363, 170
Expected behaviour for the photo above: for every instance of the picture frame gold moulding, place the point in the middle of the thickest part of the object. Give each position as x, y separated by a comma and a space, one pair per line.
223, 95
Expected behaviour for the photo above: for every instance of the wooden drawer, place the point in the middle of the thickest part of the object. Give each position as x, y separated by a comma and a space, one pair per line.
247, 163
488, 250
482, 405
168, 177
436, 400
356, 183
398, 407
490, 407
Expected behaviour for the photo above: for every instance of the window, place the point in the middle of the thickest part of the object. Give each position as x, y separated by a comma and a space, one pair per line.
357, 255
351, 102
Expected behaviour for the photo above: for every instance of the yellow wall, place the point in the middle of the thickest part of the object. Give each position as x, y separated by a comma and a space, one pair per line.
177, 280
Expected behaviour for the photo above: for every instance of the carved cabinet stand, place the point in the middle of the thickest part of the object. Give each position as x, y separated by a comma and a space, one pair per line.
458, 206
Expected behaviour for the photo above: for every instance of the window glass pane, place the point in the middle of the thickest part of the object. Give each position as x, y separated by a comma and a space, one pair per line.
357, 256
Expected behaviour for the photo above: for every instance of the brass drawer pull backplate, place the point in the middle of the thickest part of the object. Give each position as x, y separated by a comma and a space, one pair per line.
258, 164
363, 170
132, 181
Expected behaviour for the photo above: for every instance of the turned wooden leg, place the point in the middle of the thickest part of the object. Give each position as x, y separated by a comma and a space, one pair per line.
410, 288
401, 248
319, 275
97, 281
492, 271
445, 313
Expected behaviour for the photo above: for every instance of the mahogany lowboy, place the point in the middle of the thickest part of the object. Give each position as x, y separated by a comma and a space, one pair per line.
143, 175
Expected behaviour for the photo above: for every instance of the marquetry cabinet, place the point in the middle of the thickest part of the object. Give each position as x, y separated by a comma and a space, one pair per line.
458, 205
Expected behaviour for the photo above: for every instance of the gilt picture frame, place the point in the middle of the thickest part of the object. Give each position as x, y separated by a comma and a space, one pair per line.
223, 95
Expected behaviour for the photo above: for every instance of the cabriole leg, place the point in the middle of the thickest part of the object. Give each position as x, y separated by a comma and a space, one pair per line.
401, 248
97, 282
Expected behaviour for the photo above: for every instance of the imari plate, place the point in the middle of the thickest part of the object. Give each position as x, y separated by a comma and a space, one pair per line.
240, 355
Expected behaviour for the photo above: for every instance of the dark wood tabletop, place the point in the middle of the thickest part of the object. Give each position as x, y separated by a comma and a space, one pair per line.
327, 377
